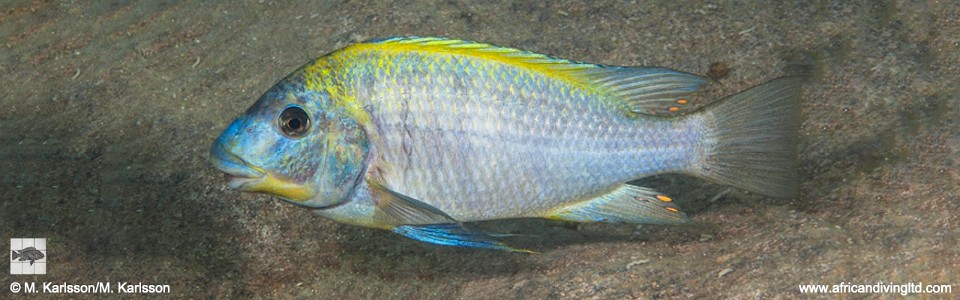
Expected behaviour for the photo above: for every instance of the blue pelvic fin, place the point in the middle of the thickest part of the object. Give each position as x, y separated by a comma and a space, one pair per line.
625, 204
454, 235
646, 90
423, 222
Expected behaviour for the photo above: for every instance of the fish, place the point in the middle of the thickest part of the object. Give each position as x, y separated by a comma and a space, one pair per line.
28, 253
423, 136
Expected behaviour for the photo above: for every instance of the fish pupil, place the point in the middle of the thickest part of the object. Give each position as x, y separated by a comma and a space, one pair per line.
294, 122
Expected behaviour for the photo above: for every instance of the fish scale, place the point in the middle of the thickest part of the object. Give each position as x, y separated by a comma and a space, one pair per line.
442, 143
419, 135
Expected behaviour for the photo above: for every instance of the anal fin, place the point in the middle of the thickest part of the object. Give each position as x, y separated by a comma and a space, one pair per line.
625, 204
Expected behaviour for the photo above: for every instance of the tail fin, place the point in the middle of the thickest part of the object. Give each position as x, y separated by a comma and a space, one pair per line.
754, 136
15, 254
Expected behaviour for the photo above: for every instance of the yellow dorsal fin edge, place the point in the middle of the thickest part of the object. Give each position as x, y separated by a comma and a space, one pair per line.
552, 66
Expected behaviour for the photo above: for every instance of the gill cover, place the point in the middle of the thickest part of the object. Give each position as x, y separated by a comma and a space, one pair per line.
343, 144
343, 161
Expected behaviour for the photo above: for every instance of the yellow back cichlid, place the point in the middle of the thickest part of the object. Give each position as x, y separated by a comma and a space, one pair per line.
417, 135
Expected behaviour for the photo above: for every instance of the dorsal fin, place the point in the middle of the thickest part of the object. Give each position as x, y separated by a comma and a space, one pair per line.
640, 89
647, 90
512, 56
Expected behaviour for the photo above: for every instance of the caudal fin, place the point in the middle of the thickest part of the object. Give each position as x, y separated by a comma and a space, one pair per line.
752, 139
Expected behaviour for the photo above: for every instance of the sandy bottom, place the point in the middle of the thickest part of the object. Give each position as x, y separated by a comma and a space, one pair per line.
107, 111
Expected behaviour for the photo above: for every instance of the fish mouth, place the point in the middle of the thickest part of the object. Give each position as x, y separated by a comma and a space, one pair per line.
246, 177
240, 173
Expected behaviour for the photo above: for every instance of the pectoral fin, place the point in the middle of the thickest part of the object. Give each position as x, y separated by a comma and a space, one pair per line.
399, 209
420, 221
626, 204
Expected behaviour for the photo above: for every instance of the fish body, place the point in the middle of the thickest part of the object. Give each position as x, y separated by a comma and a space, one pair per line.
417, 135
28, 253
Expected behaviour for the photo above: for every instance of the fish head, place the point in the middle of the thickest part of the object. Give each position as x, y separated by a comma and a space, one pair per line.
295, 143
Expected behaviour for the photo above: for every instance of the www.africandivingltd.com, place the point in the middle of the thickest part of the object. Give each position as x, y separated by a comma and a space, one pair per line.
876, 288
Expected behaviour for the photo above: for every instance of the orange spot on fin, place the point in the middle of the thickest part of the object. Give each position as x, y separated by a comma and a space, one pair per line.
664, 198
672, 209
673, 109
681, 101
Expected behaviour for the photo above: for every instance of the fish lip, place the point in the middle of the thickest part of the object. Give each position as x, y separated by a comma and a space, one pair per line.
239, 183
246, 177
239, 171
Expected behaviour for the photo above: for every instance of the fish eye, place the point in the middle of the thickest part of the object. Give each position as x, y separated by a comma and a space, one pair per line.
294, 122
